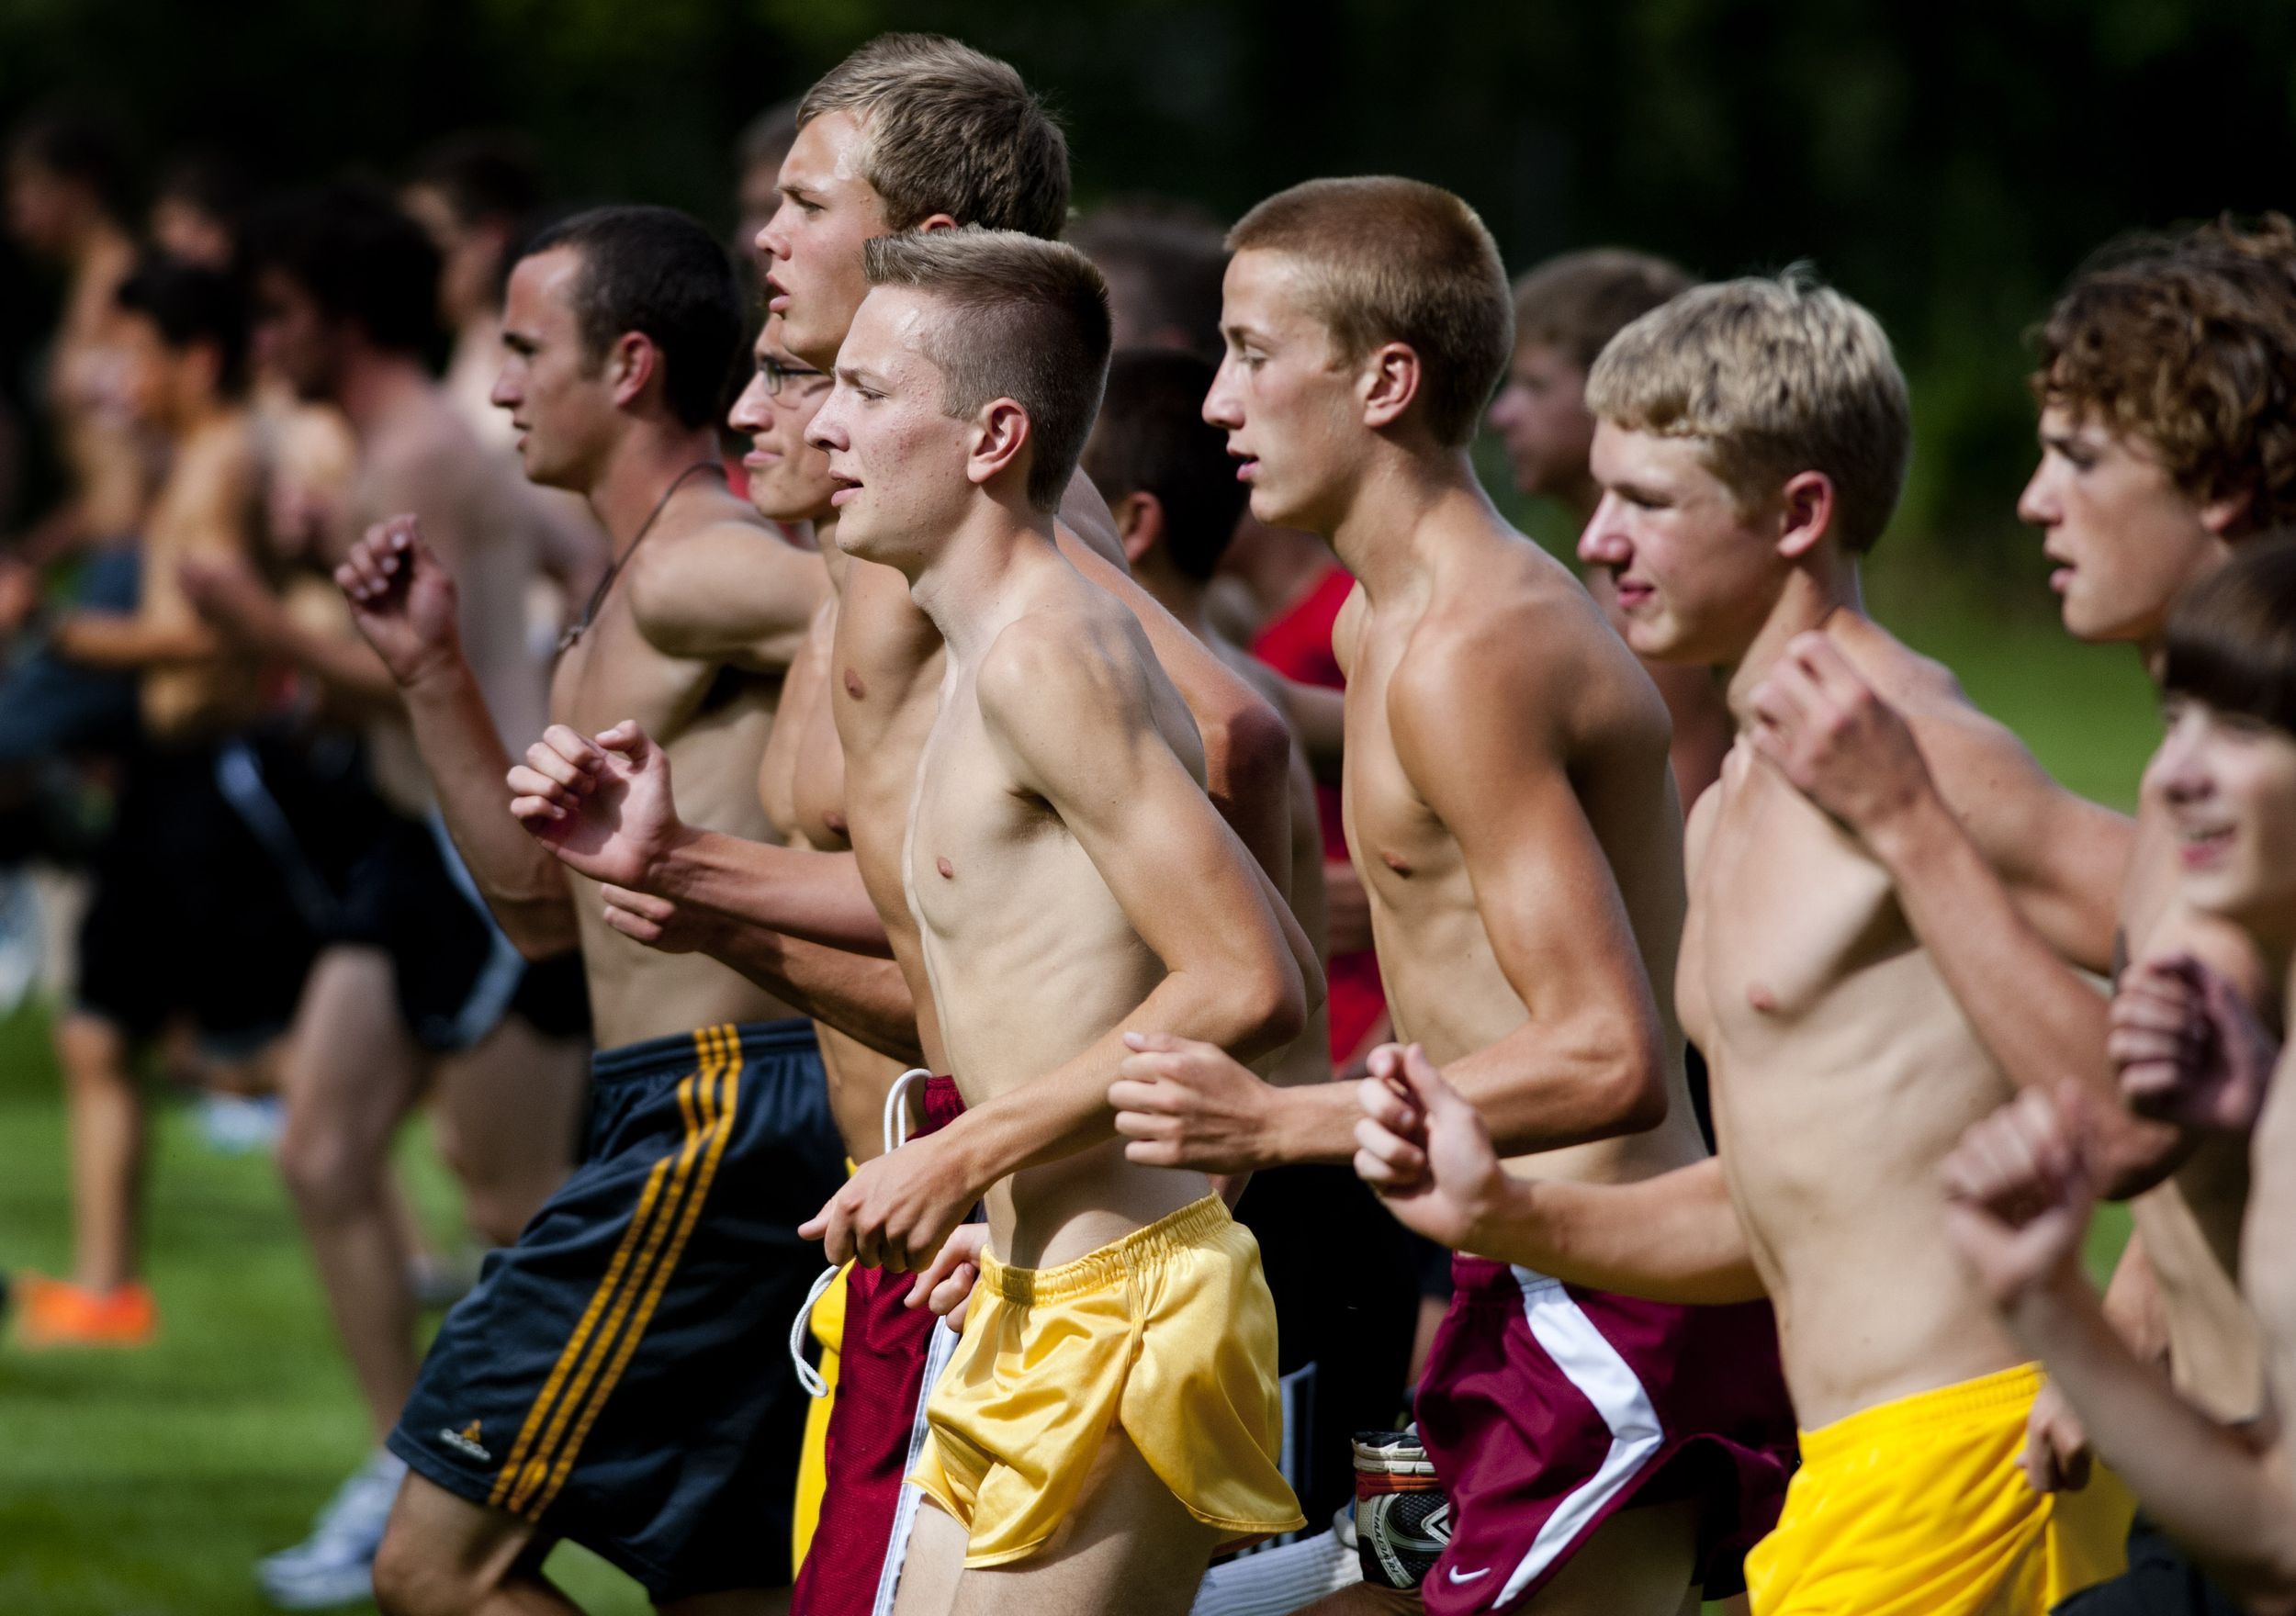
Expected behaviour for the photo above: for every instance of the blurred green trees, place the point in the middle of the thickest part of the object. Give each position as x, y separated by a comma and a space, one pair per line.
1947, 163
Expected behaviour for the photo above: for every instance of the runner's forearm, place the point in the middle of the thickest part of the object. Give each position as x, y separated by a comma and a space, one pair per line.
795, 890
865, 998
1675, 1238
521, 882
2208, 1486
2041, 1021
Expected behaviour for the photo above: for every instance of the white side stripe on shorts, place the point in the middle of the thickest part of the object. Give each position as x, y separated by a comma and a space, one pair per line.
939, 1348
1592, 1366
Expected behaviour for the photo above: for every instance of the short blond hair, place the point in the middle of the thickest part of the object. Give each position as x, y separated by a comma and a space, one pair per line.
949, 130
1031, 324
1397, 261
1773, 375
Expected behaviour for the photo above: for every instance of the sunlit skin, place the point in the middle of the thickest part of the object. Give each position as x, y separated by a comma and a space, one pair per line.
813, 243
2123, 538
1694, 575
901, 464
1540, 415
1285, 422
2228, 782
566, 423
789, 479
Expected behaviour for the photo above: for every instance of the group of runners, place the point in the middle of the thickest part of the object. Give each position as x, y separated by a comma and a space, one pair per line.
1038, 1041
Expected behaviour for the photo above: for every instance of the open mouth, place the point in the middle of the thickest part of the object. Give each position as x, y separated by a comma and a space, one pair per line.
2201, 846
776, 295
1632, 593
847, 486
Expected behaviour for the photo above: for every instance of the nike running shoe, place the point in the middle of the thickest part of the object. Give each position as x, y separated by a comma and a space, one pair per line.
1402, 1520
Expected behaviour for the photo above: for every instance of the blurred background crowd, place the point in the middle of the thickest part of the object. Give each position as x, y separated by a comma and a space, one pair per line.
1948, 167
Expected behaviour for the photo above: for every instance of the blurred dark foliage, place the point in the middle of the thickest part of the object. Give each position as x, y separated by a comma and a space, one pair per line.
1947, 163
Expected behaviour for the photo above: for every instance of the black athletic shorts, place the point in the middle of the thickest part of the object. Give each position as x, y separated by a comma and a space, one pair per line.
620, 1376
2161, 1580
1343, 1276
366, 874
189, 916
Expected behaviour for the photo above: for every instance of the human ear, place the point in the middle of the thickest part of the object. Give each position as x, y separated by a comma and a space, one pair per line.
1001, 437
1390, 380
1806, 513
1138, 523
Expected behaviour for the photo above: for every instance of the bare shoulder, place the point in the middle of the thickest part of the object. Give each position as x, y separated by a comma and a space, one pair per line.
1517, 637
1957, 737
1059, 663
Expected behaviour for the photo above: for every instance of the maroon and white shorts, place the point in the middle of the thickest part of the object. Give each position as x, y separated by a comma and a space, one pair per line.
889, 1357
1547, 1408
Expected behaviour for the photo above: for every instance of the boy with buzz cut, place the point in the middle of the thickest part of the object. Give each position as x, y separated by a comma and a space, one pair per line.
1510, 813
1109, 1417
1751, 441
1565, 310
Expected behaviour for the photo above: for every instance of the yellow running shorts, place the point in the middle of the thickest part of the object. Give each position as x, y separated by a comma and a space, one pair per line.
1169, 1334
1916, 1508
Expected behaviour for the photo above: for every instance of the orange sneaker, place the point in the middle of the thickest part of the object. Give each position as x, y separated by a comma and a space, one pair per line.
59, 1314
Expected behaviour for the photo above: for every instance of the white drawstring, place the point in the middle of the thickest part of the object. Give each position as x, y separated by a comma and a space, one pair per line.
896, 1134
807, 1375
897, 1124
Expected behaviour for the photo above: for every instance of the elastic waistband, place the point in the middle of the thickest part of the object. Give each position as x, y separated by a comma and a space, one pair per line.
2002, 1392
704, 1046
1192, 1225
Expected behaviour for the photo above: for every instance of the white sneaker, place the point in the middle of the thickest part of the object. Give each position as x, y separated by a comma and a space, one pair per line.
336, 1565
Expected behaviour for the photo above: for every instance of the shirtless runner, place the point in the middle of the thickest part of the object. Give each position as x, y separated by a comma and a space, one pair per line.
1751, 442
1522, 853
887, 143
560, 1399
1070, 878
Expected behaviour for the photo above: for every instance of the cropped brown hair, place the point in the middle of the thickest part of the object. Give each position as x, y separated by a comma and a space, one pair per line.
1578, 302
1396, 260
1773, 376
1031, 324
949, 130
2232, 636
2189, 344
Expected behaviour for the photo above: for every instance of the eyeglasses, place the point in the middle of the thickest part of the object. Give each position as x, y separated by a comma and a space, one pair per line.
779, 375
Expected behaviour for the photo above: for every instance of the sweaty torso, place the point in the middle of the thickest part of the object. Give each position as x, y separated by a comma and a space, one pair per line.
801, 784
1446, 988
1843, 1072
712, 721
2191, 1223
1030, 956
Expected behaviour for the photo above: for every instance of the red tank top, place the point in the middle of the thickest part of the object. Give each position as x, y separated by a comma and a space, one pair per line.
1297, 642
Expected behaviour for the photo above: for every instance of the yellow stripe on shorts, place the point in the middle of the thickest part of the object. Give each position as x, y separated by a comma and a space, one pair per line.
528, 1467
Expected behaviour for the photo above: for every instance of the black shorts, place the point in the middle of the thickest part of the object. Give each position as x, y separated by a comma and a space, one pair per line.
2161, 1580
1343, 1276
367, 875
620, 1376
190, 916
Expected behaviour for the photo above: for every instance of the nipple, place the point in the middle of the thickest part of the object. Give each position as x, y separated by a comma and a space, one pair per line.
1762, 998
948, 870
835, 821
853, 686
1396, 862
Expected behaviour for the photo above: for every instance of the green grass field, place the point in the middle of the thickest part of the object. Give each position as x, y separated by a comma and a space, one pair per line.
146, 1484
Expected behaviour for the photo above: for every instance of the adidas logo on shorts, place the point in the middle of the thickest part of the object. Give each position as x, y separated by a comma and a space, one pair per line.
1402, 1520
466, 1441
